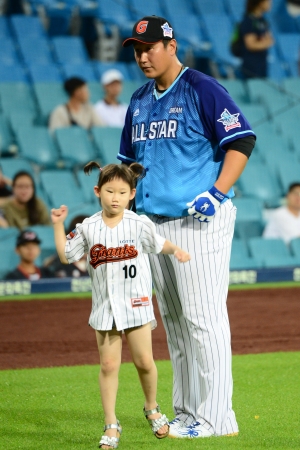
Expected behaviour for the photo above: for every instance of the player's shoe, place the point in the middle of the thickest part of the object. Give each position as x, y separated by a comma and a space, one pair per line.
193, 431
175, 425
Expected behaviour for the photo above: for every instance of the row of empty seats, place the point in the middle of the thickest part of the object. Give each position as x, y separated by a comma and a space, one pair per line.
257, 252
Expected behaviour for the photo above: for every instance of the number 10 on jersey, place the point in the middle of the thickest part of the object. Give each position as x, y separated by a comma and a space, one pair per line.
130, 271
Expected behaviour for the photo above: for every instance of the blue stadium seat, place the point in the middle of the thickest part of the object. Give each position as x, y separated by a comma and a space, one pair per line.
240, 258
107, 140
114, 12
267, 250
18, 74
281, 261
291, 85
255, 114
62, 189
29, 26
288, 44
289, 172
8, 54
36, 51
6, 138
194, 39
11, 260
45, 73
74, 145
87, 183
274, 148
218, 29
10, 166
207, 6
185, 8
249, 219
287, 121
49, 95
295, 247
257, 181
36, 144
69, 49
46, 235
237, 90
18, 119
129, 87
5, 32
101, 67
136, 73
96, 91
84, 71
258, 88
17, 97
236, 9
137, 9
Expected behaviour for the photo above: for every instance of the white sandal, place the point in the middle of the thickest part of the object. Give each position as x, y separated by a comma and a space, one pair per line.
112, 442
156, 424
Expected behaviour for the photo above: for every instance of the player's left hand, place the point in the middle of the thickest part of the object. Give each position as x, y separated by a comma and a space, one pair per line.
204, 206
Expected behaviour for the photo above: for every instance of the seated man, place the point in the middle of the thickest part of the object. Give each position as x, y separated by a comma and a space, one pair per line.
111, 112
284, 222
77, 111
28, 248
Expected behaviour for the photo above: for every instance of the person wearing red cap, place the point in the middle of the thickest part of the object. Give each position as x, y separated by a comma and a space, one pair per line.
194, 143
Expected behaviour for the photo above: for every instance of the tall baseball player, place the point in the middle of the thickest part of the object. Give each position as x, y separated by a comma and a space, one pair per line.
118, 242
194, 142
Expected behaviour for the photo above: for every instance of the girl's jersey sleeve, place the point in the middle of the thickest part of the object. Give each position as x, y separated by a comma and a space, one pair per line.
222, 119
76, 245
126, 154
151, 241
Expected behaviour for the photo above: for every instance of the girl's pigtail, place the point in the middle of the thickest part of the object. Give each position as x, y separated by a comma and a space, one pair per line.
137, 170
90, 166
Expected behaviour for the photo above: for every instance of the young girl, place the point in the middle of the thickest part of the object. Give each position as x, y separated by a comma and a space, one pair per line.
117, 242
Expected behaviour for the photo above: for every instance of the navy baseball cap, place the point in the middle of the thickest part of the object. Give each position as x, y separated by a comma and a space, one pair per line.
149, 30
27, 236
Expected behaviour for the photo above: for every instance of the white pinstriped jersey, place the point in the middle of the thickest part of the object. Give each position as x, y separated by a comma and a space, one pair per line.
119, 268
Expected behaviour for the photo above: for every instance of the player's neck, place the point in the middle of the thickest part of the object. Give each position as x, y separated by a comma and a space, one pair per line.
294, 211
164, 81
112, 220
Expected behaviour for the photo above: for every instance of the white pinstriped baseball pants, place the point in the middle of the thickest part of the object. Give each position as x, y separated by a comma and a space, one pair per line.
192, 302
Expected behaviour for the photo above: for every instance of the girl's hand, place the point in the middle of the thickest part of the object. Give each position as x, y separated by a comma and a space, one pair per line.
59, 215
181, 255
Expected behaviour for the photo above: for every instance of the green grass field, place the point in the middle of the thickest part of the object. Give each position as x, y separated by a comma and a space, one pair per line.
59, 408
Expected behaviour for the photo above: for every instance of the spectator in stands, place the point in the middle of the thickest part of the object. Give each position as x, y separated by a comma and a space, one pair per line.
77, 111
111, 112
24, 208
257, 39
293, 7
28, 248
284, 222
76, 269
5, 188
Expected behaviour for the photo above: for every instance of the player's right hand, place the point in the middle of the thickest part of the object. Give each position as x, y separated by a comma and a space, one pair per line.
59, 215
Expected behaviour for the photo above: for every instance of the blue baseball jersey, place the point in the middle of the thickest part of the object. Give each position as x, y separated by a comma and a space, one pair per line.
179, 138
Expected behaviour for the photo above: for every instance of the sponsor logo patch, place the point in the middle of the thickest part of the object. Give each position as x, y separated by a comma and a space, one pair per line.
99, 254
141, 26
229, 121
137, 302
72, 234
168, 31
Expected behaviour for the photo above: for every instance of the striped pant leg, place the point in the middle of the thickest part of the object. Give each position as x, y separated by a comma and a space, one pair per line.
181, 345
203, 286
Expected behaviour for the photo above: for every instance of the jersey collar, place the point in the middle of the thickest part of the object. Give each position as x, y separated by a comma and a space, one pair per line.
158, 97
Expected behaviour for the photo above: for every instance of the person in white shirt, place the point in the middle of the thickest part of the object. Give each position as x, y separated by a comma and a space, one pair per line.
284, 222
111, 112
77, 111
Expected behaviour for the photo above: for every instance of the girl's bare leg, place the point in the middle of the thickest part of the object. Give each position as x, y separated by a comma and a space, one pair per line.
140, 345
110, 349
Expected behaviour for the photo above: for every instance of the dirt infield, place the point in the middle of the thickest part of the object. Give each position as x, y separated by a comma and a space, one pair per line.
46, 333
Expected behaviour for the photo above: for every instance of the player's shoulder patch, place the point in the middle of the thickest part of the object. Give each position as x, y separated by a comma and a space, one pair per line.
229, 120
72, 234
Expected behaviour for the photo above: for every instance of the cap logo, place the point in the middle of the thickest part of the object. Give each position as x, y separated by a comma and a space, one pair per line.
30, 235
168, 31
142, 26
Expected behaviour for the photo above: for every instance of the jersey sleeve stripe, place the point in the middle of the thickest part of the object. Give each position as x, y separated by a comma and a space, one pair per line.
236, 134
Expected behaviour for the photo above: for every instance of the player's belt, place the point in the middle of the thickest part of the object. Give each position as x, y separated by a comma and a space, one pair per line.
158, 216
